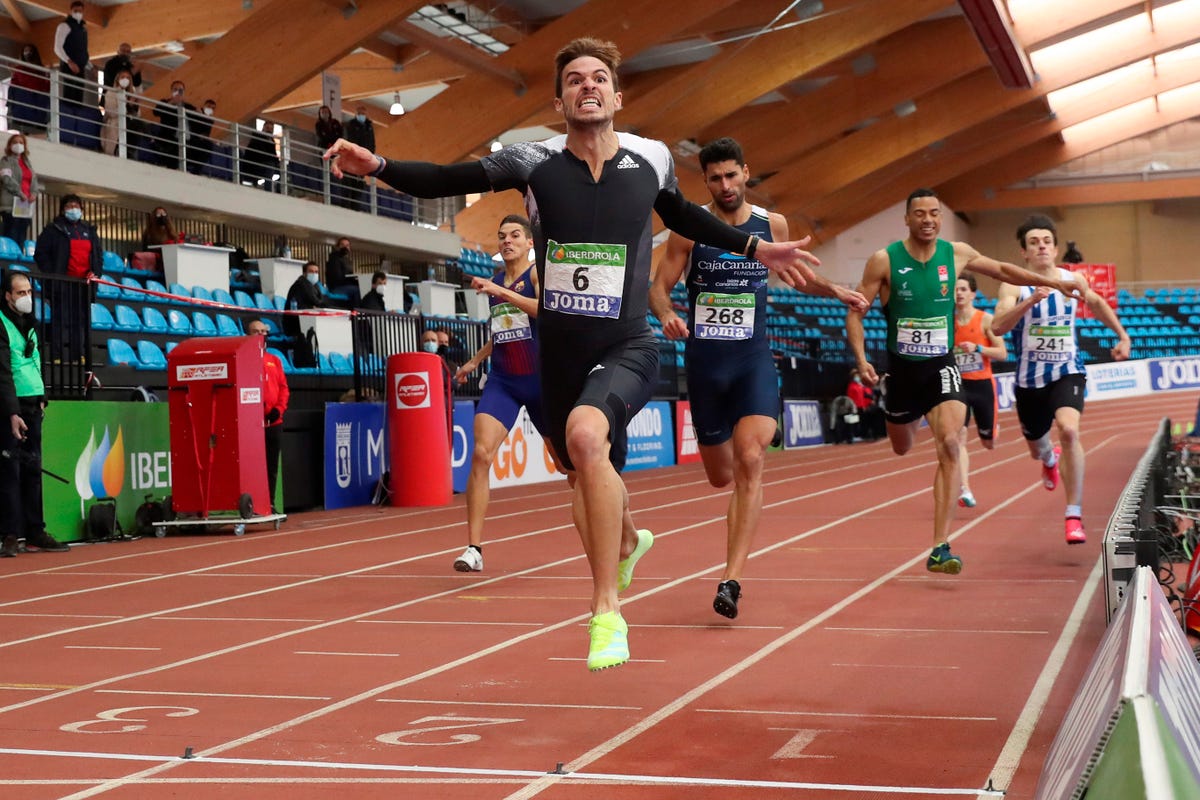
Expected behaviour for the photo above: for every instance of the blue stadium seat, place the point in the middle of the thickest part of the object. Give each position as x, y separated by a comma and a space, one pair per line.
133, 289
178, 323
10, 250
153, 321
179, 290
154, 286
112, 263
341, 364
243, 299
227, 327
102, 318
202, 324
222, 296
150, 356
170, 346
262, 302
107, 291
127, 320
287, 364
200, 293
121, 354
280, 302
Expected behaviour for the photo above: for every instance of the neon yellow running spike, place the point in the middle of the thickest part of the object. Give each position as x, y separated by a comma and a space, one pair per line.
609, 641
625, 567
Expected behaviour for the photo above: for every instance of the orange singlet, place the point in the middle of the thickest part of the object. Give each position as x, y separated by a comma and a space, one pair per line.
974, 366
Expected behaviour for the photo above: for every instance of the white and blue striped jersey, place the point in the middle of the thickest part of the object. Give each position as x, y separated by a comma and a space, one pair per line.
1044, 338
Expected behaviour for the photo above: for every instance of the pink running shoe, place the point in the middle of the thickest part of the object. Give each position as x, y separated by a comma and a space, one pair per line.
1050, 474
1074, 531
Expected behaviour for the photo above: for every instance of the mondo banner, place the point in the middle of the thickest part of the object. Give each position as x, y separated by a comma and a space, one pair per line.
523, 457
651, 438
462, 444
118, 450
355, 453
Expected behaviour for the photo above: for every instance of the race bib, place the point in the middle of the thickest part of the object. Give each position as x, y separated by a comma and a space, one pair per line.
969, 362
584, 279
724, 316
1049, 344
923, 337
509, 324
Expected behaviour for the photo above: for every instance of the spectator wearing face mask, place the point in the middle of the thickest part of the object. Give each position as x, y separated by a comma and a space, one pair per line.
167, 110
339, 272
429, 344
27, 103
159, 229
123, 60
68, 247
71, 47
19, 188
200, 138
22, 404
374, 299
120, 93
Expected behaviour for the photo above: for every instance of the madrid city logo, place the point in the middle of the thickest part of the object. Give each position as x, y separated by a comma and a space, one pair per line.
100, 470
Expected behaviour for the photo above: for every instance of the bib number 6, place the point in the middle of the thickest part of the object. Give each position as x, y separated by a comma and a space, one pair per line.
580, 279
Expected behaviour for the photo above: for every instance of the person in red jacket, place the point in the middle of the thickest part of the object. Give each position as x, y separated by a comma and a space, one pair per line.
275, 401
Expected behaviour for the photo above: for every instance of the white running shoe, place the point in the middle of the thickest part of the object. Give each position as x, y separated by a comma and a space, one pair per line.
966, 500
470, 561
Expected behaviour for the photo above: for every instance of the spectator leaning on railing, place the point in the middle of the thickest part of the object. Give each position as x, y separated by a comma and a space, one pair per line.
69, 247
28, 106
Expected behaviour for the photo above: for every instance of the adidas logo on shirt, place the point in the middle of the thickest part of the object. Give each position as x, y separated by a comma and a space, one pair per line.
627, 163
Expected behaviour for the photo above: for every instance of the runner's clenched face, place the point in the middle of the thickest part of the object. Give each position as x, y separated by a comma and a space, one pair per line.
1040, 248
589, 96
514, 243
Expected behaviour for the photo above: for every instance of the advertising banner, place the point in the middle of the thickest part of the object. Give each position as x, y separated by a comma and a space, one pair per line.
1174, 373
355, 453
523, 457
687, 450
802, 424
104, 449
462, 445
651, 438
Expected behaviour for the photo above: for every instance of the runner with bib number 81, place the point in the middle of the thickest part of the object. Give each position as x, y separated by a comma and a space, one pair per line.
914, 279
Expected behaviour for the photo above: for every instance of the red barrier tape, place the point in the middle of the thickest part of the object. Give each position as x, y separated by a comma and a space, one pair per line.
314, 312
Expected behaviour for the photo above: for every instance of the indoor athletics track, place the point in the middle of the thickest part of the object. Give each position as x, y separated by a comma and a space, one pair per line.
343, 657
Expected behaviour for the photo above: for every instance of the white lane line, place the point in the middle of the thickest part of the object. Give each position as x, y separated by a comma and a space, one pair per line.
1014, 747
472, 623
335, 653
38, 615
938, 631
411, 701
897, 666
231, 619
598, 777
104, 647
846, 714
164, 693
686, 699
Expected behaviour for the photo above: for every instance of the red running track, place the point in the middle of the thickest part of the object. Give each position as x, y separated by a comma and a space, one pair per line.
342, 656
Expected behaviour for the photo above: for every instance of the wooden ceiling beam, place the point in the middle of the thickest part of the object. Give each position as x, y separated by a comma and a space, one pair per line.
1052, 20
721, 85
459, 52
1082, 194
364, 74
968, 101
279, 47
439, 131
828, 112
92, 13
975, 189
18, 16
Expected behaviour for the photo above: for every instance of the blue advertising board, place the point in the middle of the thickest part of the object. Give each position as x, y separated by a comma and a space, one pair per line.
462, 444
651, 437
802, 424
355, 453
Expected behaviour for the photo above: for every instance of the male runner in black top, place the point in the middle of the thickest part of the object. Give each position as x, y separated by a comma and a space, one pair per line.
589, 195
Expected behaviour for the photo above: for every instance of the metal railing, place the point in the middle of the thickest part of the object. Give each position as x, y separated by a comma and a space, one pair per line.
127, 125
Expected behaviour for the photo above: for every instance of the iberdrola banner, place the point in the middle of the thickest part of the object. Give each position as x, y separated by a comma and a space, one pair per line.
102, 449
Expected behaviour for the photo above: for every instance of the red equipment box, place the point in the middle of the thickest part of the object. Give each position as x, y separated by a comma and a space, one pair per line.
218, 450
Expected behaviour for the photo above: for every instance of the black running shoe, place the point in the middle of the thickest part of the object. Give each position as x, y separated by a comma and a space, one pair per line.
725, 603
46, 543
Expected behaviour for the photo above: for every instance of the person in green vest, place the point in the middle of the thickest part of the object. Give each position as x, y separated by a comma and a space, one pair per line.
23, 400
914, 280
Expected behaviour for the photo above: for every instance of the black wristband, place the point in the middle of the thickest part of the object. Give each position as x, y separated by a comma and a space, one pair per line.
378, 170
753, 246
